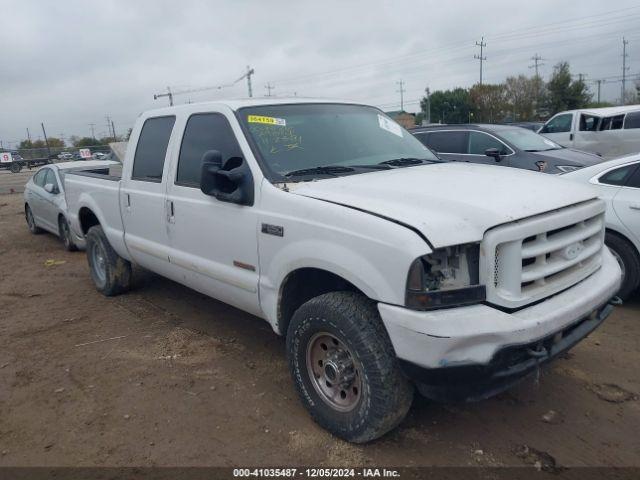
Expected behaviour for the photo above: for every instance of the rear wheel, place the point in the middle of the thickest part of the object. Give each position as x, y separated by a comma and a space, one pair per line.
627, 258
344, 367
15, 167
31, 221
110, 272
65, 235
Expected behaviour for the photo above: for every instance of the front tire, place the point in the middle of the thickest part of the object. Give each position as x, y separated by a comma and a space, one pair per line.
110, 272
65, 235
627, 258
31, 221
15, 167
344, 367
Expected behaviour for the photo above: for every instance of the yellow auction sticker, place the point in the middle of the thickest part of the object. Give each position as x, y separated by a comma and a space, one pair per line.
268, 120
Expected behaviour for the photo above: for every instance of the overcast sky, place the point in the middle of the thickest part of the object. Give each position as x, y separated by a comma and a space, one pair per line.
70, 63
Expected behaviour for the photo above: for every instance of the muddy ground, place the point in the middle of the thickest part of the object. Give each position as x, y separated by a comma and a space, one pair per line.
166, 376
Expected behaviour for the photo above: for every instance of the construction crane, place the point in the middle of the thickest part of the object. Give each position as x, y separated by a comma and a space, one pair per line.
171, 93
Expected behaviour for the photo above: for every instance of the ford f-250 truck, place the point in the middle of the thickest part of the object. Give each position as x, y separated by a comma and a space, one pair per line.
385, 267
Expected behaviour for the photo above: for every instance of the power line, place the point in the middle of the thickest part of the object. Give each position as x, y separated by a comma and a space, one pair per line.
482, 44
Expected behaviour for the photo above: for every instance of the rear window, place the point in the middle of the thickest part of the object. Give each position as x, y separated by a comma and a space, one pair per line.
618, 176
632, 120
448, 142
151, 150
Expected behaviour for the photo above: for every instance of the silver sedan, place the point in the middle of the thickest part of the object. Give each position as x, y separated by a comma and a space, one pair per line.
45, 205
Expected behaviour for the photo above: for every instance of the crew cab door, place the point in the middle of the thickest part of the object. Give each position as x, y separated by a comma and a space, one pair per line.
142, 195
213, 244
559, 129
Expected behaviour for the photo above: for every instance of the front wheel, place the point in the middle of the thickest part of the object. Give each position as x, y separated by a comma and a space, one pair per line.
31, 221
15, 167
344, 367
110, 272
627, 258
65, 235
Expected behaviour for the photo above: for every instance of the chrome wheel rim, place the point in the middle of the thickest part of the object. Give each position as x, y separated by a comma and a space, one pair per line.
334, 372
99, 262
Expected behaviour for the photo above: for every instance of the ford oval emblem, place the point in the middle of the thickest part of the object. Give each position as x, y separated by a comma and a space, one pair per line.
572, 251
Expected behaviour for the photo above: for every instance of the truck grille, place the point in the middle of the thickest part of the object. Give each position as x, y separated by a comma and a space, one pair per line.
536, 257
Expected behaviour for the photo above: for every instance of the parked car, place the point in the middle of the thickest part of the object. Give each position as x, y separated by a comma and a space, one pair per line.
384, 266
45, 206
65, 156
503, 145
618, 184
610, 132
99, 156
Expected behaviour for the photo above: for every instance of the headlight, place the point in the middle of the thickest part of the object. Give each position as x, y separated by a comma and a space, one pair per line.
568, 168
447, 277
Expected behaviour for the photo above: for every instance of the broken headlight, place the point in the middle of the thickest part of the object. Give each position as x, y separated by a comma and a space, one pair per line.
447, 277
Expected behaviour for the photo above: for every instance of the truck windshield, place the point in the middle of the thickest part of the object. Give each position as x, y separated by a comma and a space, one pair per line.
304, 139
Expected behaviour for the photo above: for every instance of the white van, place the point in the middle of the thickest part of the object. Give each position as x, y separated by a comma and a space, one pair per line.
610, 132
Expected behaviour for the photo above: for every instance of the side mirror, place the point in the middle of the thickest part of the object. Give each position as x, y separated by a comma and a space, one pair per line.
493, 152
50, 188
229, 181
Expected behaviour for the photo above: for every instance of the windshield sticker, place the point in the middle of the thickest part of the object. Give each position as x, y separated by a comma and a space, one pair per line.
267, 120
389, 125
276, 140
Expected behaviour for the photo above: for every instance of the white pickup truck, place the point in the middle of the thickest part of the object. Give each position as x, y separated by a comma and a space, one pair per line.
385, 267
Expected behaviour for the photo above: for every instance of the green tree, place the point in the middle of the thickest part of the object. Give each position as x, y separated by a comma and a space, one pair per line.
55, 142
450, 106
24, 144
563, 93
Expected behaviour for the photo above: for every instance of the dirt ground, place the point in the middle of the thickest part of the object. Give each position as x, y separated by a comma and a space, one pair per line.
166, 376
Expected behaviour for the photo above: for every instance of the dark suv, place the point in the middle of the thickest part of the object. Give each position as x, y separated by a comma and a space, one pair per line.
504, 145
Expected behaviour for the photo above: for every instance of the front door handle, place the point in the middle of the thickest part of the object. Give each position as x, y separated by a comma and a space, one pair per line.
634, 207
171, 212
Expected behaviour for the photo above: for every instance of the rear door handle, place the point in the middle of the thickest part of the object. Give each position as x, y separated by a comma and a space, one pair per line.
634, 207
171, 213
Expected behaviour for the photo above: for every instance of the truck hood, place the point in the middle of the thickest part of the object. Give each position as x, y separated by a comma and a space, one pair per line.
449, 203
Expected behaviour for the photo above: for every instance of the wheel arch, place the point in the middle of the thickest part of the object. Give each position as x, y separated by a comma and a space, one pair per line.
303, 284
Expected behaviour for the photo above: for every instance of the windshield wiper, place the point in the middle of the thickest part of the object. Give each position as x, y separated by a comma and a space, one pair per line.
403, 162
325, 170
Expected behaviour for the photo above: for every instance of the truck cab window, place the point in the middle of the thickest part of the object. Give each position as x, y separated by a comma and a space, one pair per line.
148, 161
204, 131
612, 123
558, 124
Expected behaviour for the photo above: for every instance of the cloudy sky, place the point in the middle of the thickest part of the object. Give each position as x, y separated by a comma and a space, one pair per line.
69, 63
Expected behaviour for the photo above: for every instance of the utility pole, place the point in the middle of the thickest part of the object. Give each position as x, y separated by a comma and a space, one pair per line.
28, 135
93, 132
168, 94
113, 129
428, 92
536, 63
248, 74
624, 68
269, 87
46, 140
599, 82
480, 57
401, 90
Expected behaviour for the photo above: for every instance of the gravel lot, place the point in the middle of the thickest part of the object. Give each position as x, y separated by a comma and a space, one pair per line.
166, 376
